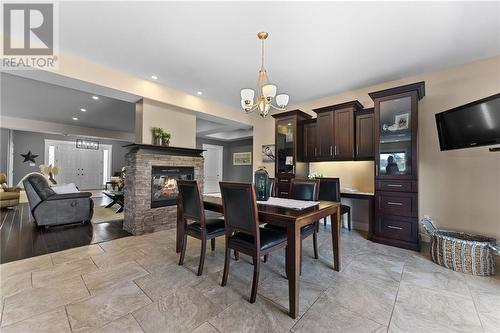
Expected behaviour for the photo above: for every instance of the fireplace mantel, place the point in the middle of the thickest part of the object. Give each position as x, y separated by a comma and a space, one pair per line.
165, 150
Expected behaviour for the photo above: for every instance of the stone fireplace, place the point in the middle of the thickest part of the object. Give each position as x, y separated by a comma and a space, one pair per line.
150, 188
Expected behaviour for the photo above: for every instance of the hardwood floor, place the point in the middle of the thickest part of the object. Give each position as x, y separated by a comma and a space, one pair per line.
20, 238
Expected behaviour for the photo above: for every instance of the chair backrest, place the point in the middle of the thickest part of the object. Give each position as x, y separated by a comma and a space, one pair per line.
38, 185
240, 208
191, 202
304, 189
329, 189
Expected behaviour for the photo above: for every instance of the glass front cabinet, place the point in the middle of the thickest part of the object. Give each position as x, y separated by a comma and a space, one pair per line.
396, 166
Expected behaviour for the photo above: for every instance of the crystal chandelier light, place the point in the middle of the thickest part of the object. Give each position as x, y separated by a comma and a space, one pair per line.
266, 91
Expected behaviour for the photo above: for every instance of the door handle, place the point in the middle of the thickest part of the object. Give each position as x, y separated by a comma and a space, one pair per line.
393, 227
335, 150
357, 149
394, 185
315, 152
331, 151
394, 203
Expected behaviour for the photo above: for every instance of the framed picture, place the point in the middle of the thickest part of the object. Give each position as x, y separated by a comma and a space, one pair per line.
402, 121
242, 158
268, 153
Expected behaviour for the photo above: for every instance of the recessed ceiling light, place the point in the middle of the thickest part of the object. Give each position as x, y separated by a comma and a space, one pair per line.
95, 98
154, 77
200, 92
83, 110
75, 118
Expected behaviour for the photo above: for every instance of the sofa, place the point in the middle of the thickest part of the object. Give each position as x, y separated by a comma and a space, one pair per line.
49, 208
9, 196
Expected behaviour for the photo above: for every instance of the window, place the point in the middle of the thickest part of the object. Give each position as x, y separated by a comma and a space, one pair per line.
52, 155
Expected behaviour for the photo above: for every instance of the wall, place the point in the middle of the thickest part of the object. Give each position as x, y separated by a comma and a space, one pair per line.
459, 189
25, 141
181, 124
230, 172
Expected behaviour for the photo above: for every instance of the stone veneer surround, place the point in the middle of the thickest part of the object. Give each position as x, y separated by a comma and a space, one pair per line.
139, 217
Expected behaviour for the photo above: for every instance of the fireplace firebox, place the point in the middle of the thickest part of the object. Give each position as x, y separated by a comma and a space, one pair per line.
164, 184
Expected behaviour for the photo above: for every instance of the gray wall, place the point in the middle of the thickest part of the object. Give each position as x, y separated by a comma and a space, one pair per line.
230, 172
25, 141
4, 141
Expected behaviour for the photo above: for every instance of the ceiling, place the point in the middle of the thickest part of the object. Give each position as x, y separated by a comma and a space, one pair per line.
314, 49
37, 100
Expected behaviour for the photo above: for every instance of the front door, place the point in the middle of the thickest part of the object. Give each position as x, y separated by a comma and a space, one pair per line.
212, 169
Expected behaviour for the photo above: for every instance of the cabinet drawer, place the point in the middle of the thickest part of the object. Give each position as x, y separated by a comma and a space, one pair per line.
283, 190
395, 227
397, 185
397, 203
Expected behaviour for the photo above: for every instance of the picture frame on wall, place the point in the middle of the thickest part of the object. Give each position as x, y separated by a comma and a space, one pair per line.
268, 153
244, 158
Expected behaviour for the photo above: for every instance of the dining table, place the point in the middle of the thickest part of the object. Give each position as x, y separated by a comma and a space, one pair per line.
293, 220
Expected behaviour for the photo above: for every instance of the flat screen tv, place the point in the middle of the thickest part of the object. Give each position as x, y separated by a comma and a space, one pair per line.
470, 125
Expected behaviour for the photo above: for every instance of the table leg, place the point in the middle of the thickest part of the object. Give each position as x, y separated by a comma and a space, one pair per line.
336, 226
292, 265
180, 231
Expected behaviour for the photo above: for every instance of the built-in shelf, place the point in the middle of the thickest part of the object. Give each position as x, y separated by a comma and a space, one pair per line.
166, 150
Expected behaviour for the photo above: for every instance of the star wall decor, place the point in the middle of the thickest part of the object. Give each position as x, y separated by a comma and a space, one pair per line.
29, 157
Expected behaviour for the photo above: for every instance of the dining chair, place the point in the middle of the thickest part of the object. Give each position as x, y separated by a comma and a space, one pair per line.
242, 230
329, 190
308, 190
200, 227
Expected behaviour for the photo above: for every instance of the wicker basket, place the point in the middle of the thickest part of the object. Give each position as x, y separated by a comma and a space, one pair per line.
460, 251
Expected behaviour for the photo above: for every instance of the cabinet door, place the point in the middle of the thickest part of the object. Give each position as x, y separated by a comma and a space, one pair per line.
324, 129
364, 136
344, 134
285, 145
309, 142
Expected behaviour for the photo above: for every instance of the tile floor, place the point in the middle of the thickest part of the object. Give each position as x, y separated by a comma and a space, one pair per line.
134, 284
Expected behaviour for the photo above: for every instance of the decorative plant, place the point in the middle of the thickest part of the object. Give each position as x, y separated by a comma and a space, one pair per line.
165, 136
49, 170
157, 134
315, 175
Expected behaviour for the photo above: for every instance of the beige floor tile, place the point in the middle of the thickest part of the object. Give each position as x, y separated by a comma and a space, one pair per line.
488, 307
157, 259
214, 262
276, 290
211, 288
14, 284
424, 273
370, 301
49, 322
109, 277
125, 324
166, 280
24, 266
182, 311
32, 302
325, 316
205, 328
486, 284
261, 316
117, 257
61, 272
425, 310
77, 253
122, 243
106, 306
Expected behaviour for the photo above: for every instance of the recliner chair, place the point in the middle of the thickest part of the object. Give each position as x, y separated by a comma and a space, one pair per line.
49, 208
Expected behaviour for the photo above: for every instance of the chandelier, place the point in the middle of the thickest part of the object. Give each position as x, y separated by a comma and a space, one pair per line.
266, 91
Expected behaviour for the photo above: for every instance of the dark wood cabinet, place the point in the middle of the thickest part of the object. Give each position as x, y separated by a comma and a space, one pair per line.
365, 149
343, 147
309, 149
289, 149
325, 138
396, 166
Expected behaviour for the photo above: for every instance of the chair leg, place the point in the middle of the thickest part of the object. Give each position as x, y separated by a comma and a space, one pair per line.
202, 256
212, 244
236, 255
349, 222
227, 260
183, 249
315, 245
300, 258
324, 221
265, 257
255, 283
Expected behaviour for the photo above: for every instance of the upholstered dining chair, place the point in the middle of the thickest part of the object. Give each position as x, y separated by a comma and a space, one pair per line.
196, 224
308, 190
329, 190
243, 233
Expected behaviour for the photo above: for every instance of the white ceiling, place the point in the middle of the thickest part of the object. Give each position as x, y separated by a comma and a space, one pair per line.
36, 100
314, 49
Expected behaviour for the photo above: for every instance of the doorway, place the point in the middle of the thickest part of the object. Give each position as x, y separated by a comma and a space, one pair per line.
87, 168
212, 168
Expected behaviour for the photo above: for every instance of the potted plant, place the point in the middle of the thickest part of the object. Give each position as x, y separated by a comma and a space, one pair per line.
157, 135
165, 138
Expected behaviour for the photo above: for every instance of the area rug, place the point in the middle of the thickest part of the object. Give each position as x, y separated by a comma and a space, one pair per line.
103, 214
